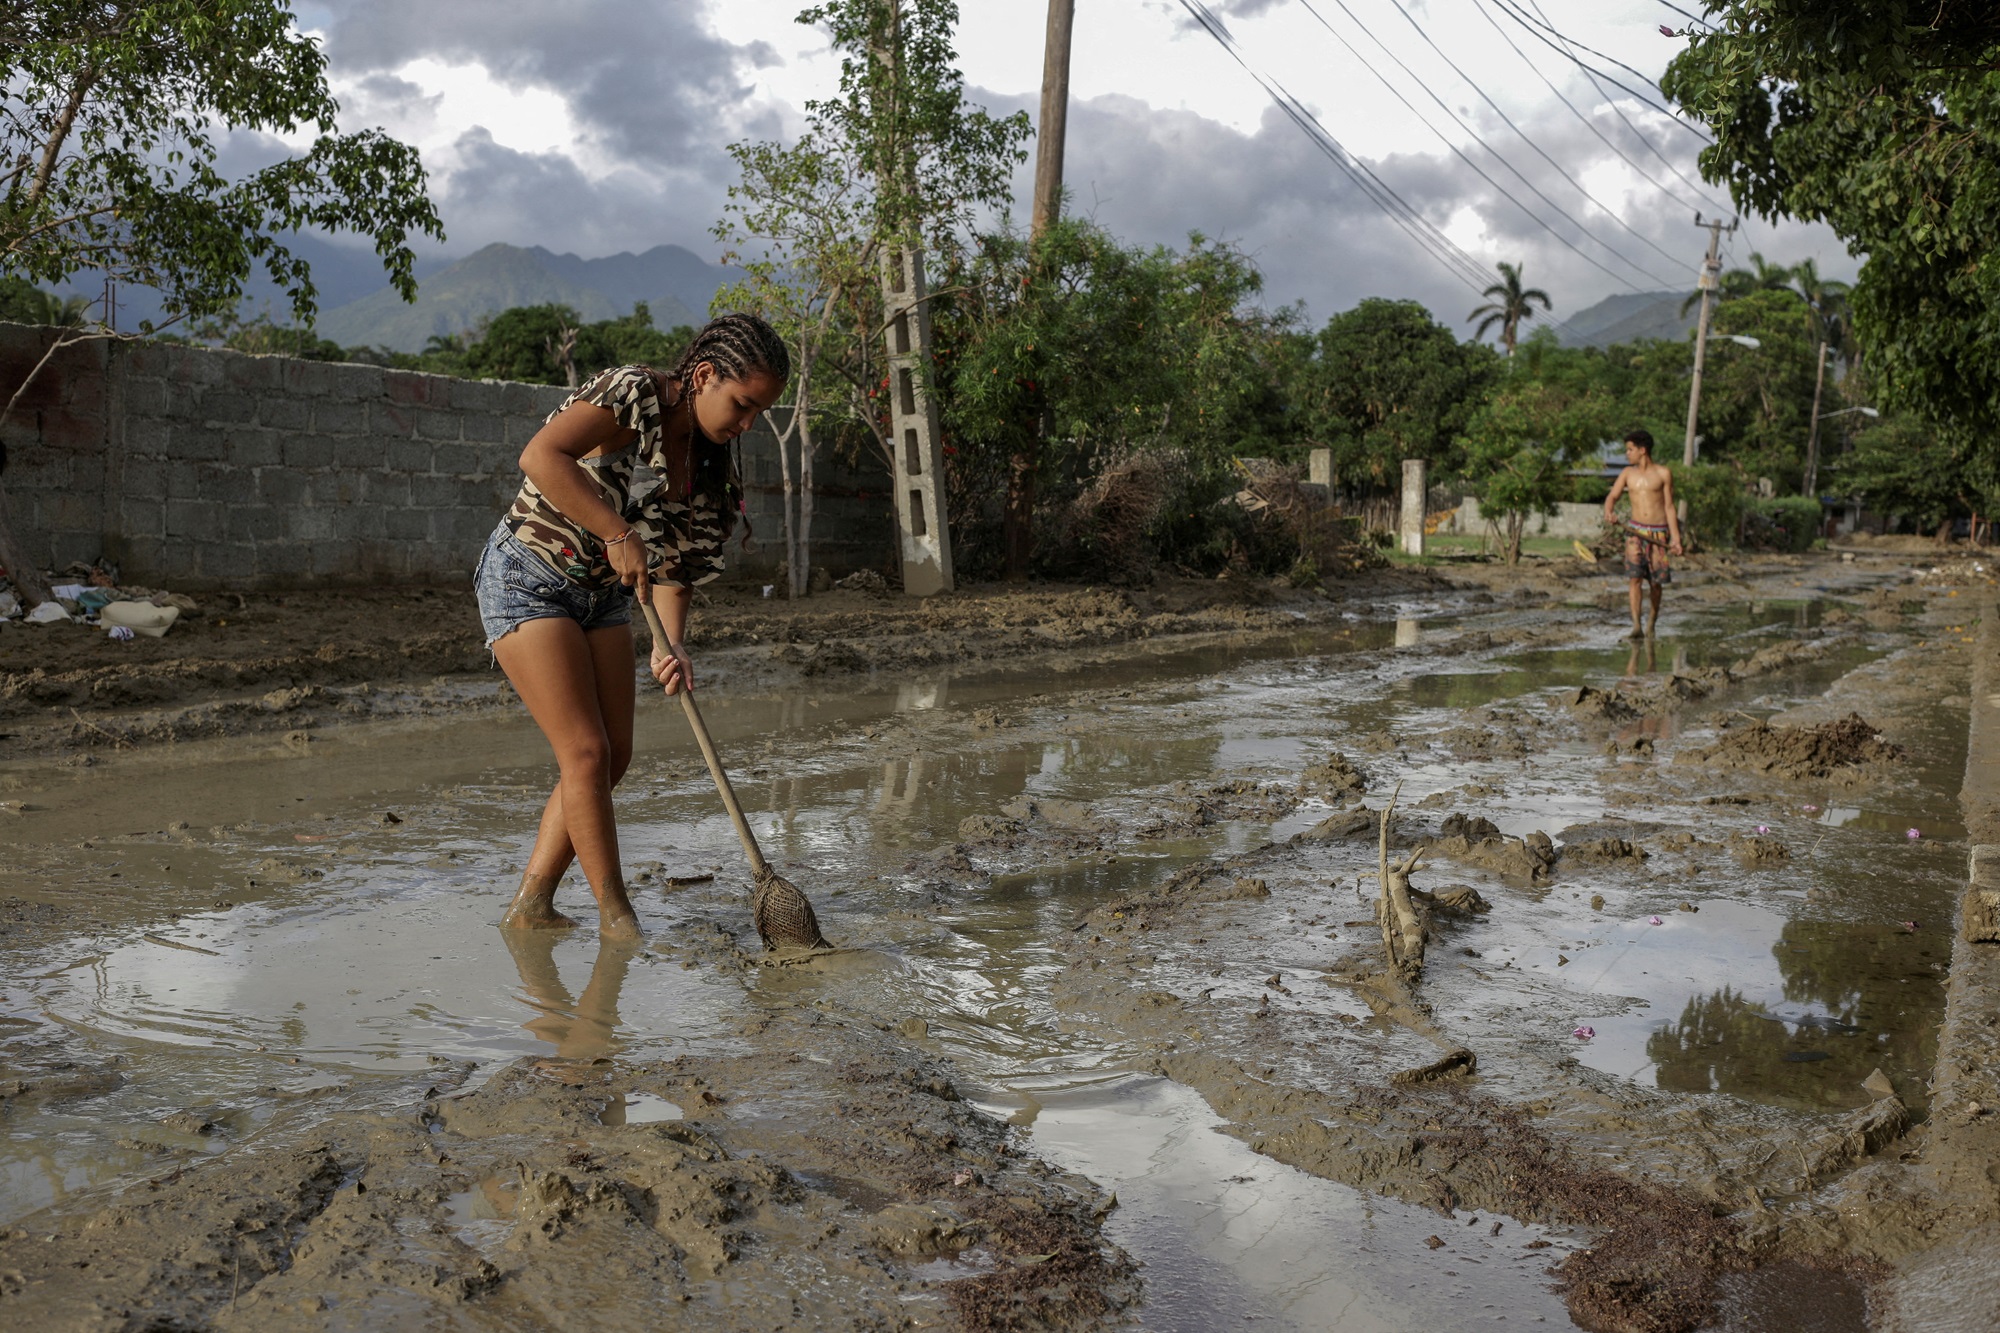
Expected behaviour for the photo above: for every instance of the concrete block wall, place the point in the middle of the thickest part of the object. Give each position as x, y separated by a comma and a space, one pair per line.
199, 468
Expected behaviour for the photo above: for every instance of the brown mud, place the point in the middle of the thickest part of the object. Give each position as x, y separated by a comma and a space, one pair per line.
260, 1055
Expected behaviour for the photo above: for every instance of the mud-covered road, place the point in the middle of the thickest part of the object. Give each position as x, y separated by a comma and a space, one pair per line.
1109, 1038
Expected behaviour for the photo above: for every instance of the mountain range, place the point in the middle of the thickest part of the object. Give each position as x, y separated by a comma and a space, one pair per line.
357, 307
675, 283
1627, 318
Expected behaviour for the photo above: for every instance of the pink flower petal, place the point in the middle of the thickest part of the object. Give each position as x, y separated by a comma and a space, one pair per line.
1913, 834
1584, 1033
1654, 921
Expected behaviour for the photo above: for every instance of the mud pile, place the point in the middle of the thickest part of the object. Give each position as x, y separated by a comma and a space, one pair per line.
852, 1189
1797, 753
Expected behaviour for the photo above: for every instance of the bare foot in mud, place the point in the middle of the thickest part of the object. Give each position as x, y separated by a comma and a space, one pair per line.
534, 907
615, 918
1637, 633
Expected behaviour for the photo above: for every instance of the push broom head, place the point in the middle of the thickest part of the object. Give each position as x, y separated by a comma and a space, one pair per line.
783, 915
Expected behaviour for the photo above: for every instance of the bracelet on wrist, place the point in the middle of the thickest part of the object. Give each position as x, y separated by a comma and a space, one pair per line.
610, 542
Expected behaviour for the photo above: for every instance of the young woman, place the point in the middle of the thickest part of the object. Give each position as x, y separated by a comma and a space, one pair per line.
557, 578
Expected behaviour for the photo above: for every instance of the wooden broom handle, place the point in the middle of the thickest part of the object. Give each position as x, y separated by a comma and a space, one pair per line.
758, 866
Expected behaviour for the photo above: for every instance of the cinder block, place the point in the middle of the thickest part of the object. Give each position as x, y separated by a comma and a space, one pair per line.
412, 457
477, 396
199, 365
181, 484
226, 407
255, 523
407, 524
147, 435
142, 359
256, 375
385, 490
334, 416
463, 528
281, 564
390, 420
283, 411
435, 424
483, 428
339, 488
184, 401
199, 444
364, 522
57, 511
143, 477
307, 452
141, 517
147, 559
194, 519
311, 523
145, 396
519, 431
254, 446
412, 389
334, 561
226, 484
428, 492
68, 547
461, 460
283, 487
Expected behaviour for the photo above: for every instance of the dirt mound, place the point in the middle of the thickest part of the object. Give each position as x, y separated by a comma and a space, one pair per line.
1755, 851
1603, 851
1530, 858
1798, 752
1333, 779
1196, 807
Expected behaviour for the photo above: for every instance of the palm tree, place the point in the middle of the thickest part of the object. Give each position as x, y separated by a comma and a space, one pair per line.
1829, 317
1509, 304
1761, 276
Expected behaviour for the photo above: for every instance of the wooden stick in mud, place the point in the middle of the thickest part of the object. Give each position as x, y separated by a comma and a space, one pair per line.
758, 866
1402, 927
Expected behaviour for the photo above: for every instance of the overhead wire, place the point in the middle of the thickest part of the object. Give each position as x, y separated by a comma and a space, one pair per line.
1440, 247
1535, 28
1460, 154
1606, 139
1612, 213
1455, 258
1619, 111
1687, 14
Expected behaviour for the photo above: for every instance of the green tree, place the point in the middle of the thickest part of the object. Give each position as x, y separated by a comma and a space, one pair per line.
109, 145
1756, 402
1388, 382
897, 159
1101, 352
1522, 442
1508, 305
1879, 120
23, 302
109, 112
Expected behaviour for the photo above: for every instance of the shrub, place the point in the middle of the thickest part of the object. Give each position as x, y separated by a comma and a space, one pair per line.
1715, 499
1782, 523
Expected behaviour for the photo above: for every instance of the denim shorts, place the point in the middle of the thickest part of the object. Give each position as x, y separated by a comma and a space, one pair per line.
515, 586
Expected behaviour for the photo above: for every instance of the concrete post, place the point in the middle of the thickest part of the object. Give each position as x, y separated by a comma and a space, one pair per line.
1319, 468
913, 428
1416, 485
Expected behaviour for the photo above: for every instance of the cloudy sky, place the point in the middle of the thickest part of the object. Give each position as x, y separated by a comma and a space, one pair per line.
595, 126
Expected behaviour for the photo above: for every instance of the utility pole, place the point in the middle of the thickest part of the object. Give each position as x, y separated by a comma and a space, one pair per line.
1710, 267
915, 448
1055, 115
1812, 441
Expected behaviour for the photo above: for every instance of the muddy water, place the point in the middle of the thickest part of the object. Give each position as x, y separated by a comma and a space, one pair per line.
351, 948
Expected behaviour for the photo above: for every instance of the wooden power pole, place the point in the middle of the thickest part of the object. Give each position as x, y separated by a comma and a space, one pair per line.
1055, 115
1710, 267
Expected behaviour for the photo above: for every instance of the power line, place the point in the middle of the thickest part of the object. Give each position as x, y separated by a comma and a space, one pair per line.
1434, 242
1591, 125
1683, 13
1457, 152
1508, 120
1534, 29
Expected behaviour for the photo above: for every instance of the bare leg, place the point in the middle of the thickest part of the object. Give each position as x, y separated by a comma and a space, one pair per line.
1653, 624
555, 669
1637, 593
534, 905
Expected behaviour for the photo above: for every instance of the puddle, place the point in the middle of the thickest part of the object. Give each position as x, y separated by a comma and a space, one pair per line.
1232, 1239
387, 961
640, 1108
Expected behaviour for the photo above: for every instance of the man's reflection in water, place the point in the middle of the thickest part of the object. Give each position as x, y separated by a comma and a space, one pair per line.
1645, 658
581, 1029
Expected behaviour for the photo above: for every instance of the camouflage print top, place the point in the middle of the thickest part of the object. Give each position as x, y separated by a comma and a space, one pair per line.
684, 534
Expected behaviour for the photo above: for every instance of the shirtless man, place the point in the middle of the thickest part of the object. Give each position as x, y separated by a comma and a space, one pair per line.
1654, 530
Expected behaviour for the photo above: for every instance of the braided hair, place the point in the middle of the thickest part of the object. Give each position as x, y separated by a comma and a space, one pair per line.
737, 345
